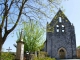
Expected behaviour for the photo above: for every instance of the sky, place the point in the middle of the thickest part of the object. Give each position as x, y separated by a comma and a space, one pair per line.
71, 10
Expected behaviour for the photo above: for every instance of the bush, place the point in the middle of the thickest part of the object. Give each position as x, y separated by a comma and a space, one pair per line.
45, 58
7, 56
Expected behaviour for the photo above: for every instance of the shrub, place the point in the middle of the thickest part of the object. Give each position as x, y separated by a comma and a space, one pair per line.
45, 58
7, 56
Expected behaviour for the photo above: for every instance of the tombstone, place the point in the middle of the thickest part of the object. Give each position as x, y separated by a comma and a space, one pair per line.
20, 49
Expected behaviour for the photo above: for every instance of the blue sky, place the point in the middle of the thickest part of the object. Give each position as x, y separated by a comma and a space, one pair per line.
72, 11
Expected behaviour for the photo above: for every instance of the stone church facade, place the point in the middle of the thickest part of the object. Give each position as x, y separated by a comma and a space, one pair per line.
60, 38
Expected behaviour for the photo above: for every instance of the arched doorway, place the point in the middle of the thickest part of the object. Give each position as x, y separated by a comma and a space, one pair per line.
62, 53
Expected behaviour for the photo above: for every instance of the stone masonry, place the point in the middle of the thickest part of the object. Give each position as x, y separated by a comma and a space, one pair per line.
60, 38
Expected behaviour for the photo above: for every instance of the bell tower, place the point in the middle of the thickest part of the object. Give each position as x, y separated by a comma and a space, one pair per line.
60, 37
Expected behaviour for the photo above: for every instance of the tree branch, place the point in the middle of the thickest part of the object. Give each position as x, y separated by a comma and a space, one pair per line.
5, 36
6, 25
10, 5
8, 31
21, 8
5, 12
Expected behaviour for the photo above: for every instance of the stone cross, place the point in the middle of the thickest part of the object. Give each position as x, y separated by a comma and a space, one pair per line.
9, 49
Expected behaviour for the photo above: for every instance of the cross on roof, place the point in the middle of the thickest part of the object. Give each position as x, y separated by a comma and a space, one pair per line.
9, 49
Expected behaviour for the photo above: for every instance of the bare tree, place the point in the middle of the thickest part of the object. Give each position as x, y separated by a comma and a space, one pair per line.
6, 7
13, 12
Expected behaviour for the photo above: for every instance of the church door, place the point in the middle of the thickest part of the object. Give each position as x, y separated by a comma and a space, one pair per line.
61, 54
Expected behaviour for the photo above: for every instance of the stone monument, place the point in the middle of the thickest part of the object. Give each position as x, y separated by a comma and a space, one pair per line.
20, 49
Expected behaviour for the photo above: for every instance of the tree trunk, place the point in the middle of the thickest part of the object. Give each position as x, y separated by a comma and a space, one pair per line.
36, 54
1, 43
0, 49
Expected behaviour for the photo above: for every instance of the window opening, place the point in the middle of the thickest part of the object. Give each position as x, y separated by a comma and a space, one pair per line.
62, 25
63, 28
57, 25
60, 20
57, 30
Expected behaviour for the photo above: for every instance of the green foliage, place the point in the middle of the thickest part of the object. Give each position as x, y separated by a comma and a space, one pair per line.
32, 36
78, 47
42, 56
45, 58
6, 56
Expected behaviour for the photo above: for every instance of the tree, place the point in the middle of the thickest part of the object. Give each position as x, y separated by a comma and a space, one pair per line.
13, 11
78, 47
6, 7
32, 36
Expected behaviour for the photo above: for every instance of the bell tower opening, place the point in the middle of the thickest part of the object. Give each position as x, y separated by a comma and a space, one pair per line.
60, 19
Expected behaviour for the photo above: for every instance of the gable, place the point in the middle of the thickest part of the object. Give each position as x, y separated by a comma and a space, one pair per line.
59, 18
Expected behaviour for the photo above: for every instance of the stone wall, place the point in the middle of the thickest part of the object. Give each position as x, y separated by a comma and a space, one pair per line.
60, 34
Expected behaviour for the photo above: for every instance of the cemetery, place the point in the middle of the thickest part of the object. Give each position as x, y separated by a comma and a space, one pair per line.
46, 49
42, 29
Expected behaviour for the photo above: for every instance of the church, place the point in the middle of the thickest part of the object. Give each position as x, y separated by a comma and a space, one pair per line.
60, 38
